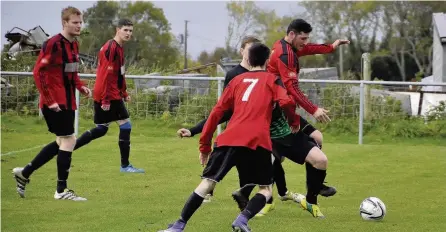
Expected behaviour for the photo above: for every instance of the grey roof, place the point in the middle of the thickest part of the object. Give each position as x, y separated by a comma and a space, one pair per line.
439, 21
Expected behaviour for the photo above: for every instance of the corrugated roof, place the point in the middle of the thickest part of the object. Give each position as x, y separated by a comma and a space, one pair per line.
439, 20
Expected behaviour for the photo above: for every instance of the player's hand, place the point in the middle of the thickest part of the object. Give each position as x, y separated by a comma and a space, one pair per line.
85, 91
127, 99
105, 107
204, 157
295, 129
340, 42
54, 107
184, 133
321, 115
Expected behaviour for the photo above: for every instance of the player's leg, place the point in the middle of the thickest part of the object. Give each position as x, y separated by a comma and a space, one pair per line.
102, 121
120, 114
220, 163
66, 141
255, 167
47, 153
241, 195
125, 128
283, 147
315, 134
307, 151
316, 167
279, 180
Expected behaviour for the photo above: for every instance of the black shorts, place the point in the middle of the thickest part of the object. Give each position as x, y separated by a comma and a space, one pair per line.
253, 166
294, 147
306, 127
117, 112
59, 123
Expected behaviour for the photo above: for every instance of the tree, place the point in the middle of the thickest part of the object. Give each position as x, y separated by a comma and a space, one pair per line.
241, 22
152, 43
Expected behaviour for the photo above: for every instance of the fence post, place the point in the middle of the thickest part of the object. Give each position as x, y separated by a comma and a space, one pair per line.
219, 91
367, 76
76, 114
361, 112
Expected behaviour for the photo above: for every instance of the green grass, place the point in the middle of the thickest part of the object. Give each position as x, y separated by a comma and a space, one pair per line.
409, 178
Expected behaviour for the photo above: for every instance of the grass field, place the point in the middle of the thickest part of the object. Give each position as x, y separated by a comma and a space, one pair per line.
408, 177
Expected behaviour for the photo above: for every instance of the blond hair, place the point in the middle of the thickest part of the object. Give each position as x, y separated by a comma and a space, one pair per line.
67, 12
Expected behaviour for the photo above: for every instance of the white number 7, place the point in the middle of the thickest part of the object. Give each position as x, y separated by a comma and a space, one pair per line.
249, 89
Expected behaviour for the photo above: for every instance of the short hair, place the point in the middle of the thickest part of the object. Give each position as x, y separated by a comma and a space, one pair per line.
124, 22
298, 26
258, 54
67, 12
249, 39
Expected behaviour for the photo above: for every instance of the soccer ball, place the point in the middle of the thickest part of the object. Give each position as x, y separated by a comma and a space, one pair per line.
372, 208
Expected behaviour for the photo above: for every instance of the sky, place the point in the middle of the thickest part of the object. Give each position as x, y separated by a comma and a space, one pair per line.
207, 27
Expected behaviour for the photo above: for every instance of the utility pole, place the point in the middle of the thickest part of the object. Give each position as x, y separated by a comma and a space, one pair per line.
185, 43
341, 62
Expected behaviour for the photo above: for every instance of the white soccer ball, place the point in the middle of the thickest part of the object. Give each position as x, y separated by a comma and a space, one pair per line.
372, 208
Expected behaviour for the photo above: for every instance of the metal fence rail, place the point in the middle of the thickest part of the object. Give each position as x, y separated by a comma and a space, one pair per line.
344, 98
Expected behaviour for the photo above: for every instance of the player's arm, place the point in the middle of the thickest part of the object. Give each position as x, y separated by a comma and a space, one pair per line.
124, 89
80, 85
287, 70
42, 77
224, 104
286, 103
111, 69
197, 129
312, 49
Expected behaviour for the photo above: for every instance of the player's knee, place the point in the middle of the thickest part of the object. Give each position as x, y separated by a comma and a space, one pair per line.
67, 143
317, 158
205, 187
124, 131
317, 135
266, 191
125, 124
99, 131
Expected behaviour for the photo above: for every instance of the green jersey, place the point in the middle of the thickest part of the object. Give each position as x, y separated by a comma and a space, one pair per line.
279, 124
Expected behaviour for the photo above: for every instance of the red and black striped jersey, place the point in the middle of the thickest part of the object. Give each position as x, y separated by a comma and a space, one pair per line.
110, 75
56, 72
284, 62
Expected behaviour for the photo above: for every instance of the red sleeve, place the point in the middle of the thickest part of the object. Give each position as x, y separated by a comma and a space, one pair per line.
287, 69
124, 89
77, 80
286, 103
224, 103
111, 69
43, 80
312, 49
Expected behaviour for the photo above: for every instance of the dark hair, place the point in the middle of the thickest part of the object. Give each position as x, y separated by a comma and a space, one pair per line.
249, 39
258, 54
298, 26
124, 22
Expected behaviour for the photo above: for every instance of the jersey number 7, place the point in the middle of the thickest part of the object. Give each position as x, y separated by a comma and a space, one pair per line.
249, 89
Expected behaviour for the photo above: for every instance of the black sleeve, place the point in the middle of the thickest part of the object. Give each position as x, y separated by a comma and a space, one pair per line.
197, 129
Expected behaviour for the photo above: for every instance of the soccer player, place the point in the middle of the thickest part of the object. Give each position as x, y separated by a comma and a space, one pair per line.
231, 74
56, 77
110, 93
285, 63
249, 151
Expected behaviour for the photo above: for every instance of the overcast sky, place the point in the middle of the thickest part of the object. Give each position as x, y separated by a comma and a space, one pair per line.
207, 27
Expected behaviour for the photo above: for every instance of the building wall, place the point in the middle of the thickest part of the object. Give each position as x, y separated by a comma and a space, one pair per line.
438, 58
